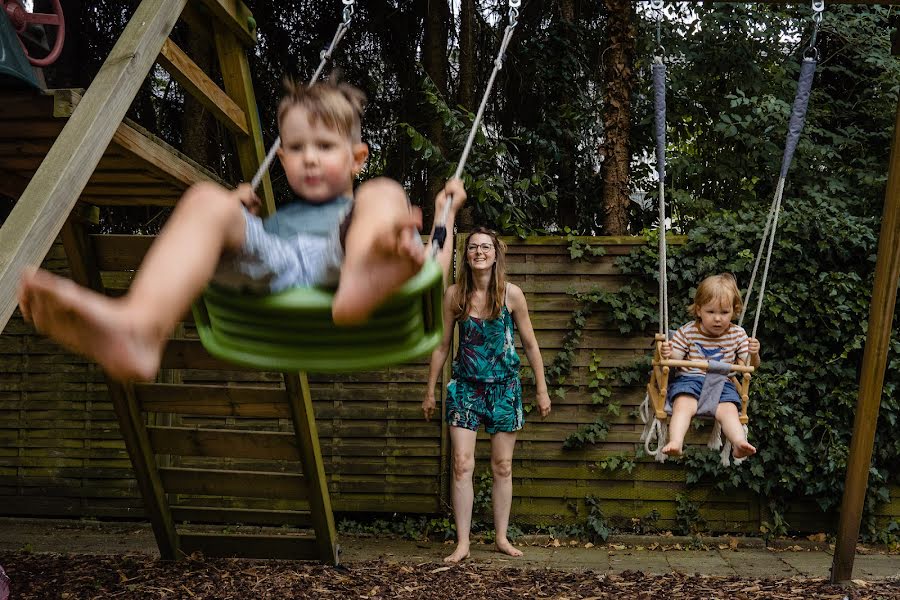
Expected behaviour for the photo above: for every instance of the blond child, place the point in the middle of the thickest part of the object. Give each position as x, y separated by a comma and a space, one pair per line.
365, 243
710, 336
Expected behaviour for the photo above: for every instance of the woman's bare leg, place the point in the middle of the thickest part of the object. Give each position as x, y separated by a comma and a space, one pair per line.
502, 446
462, 443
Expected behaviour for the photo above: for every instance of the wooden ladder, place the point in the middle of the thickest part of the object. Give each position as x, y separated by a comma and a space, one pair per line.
189, 465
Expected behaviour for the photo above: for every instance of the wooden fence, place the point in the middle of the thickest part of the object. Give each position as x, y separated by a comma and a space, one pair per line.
61, 453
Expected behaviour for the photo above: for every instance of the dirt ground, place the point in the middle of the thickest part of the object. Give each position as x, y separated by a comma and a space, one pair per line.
74, 560
139, 577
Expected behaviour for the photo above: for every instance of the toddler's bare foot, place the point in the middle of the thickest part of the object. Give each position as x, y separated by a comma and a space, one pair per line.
368, 280
90, 324
672, 449
461, 553
742, 449
507, 548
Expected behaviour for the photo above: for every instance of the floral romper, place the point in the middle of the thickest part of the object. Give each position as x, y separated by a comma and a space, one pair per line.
485, 387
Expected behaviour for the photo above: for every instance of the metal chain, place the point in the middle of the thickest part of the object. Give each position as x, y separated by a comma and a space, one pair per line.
658, 5
818, 8
439, 236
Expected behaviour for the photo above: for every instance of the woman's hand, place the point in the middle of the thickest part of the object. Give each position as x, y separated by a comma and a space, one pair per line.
428, 405
543, 403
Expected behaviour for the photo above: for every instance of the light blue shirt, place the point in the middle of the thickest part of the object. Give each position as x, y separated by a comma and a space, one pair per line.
321, 219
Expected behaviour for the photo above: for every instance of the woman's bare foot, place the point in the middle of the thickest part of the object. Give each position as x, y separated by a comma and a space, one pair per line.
461, 553
506, 547
368, 280
742, 449
90, 324
672, 449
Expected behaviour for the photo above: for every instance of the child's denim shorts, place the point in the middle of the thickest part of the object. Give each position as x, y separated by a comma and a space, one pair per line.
692, 385
268, 263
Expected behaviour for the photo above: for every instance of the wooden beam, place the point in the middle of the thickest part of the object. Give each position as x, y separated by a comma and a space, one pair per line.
40, 213
235, 16
213, 400
871, 376
244, 516
133, 141
84, 272
200, 86
241, 484
239, 86
224, 443
300, 402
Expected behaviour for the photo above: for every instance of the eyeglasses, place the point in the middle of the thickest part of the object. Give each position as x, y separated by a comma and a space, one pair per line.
471, 248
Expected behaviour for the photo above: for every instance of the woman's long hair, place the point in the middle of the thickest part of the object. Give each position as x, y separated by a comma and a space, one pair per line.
465, 284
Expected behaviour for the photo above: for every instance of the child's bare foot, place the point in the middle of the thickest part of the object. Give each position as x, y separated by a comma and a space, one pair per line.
742, 449
672, 449
368, 280
506, 547
461, 553
90, 324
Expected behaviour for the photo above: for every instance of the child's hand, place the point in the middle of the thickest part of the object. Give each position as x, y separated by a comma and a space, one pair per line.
454, 188
428, 405
248, 198
666, 350
754, 346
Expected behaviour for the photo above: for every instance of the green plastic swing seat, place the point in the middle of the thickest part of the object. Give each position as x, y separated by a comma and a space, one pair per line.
293, 331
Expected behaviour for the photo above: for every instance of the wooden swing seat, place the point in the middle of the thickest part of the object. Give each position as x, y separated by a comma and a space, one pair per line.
659, 380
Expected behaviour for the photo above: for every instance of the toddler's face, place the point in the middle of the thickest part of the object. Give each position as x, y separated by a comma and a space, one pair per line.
715, 317
319, 161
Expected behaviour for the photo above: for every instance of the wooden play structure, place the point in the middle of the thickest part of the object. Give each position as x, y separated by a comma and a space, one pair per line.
62, 152
66, 151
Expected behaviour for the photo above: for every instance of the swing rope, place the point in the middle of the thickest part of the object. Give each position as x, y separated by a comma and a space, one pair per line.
325, 56
440, 228
659, 109
795, 127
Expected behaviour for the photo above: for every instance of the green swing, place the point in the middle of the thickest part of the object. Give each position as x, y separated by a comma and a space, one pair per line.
293, 330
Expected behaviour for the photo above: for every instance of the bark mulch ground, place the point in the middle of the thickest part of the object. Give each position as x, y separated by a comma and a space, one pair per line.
56, 576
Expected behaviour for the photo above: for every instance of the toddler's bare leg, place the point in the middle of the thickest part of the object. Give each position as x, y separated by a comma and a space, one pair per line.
382, 250
727, 415
684, 408
127, 335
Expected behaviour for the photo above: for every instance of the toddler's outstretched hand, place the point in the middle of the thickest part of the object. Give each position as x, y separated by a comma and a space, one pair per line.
454, 188
248, 198
666, 350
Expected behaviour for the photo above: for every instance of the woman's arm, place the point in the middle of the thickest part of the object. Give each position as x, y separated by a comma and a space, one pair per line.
439, 355
519, 307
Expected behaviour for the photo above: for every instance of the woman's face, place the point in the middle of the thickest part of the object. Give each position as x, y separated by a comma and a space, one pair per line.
480, 252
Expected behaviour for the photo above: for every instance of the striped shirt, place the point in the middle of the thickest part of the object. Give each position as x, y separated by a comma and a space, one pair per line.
690, 343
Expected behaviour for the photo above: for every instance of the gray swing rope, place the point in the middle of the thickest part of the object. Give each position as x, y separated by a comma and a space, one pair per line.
795, 127
439, 237
326, 56
659, 105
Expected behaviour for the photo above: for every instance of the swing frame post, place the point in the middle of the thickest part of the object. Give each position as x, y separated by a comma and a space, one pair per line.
871, 376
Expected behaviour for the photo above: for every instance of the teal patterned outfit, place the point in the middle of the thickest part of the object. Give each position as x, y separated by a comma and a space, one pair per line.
485, 387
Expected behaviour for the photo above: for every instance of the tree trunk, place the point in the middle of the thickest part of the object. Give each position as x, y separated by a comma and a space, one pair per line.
197, 123
566, 206
617, 76
465, 94
434, 60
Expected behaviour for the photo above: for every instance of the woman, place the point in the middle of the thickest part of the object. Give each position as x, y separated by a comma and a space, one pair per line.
485, 387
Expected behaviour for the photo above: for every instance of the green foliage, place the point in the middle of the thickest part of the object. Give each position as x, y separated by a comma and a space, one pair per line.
596, 526
687, 516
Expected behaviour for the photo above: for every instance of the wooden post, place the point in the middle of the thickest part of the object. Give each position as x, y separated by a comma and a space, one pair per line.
45, 205
300, 402
239, 86
83, 264
871, 377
